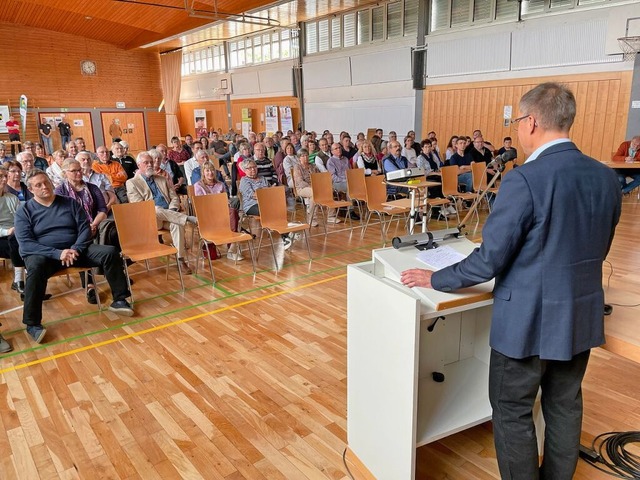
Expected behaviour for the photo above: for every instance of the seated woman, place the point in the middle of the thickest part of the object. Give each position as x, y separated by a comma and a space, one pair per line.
54, 171
408, 152
290, 160
249, 184
9, 204
14, 182
368, 160
40, 157
92, 201
302, 177
211, 183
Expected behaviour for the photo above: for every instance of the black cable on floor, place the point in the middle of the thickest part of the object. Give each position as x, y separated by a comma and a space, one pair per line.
612, 452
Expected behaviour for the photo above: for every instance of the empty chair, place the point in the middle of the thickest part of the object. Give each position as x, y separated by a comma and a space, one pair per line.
450, 190
479, 175
214, 226
356, 187
323, 197
273, 217
376, 196
136, 225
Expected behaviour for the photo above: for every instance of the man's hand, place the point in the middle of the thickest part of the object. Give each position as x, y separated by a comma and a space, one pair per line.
416, 277
68, 256
10, 231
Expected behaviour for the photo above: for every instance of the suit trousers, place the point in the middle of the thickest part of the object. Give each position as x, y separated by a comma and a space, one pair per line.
41, 268
513, 386
175, 222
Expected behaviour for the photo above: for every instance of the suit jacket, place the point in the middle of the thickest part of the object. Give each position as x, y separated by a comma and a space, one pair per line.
139, 191
549, 232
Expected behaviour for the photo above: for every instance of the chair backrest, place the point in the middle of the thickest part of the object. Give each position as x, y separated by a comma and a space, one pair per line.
212, 212
272, 203
191, 191
356, 186
507, 168
322, 187
449, 180
293, 183
136, 224
479, 176
376, 191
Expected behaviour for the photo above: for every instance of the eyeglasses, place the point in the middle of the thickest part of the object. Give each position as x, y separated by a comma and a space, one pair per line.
74, 170
15, 171
515, 121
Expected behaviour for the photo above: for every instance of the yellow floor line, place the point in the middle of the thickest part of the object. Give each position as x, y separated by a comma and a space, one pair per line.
171, 324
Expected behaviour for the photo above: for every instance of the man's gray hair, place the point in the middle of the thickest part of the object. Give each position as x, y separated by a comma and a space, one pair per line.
21, 156
552, 104
201, 153
155, 154
34, 173
141, 156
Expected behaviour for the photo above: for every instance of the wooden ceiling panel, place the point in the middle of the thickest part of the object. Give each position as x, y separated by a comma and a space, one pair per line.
166, 25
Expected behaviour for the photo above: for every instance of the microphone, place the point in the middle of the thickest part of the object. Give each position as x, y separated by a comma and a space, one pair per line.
500, 160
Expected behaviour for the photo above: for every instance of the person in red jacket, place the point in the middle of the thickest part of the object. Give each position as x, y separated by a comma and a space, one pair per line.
628, 152
13, 128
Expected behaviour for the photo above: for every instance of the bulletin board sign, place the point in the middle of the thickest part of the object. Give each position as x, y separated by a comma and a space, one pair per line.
4, 118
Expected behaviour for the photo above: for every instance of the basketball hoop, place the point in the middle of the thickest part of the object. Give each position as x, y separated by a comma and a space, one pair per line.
630, 46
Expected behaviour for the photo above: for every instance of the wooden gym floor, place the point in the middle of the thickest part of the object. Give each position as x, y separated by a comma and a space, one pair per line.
247, 378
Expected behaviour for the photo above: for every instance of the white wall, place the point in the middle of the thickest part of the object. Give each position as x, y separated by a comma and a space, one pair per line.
360, 88
268, 80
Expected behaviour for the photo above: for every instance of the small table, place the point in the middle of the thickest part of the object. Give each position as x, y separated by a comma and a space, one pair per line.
413, 188
622, 165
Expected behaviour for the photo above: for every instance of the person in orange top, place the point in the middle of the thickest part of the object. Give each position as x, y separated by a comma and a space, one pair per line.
628, 152
114, 171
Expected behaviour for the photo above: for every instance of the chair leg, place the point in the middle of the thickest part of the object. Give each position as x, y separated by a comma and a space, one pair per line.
179, 270
201, 244
253, 259
94, 273
306, 238
366, 224
273, 249
126, 274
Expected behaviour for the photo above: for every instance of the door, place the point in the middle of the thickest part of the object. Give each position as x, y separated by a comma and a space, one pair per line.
129, 125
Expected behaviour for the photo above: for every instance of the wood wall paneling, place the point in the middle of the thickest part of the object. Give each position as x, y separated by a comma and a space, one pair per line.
216, 116
602, 108
85, 130
157, 127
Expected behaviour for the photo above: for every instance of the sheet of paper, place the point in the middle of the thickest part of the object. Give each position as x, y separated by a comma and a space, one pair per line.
441, 257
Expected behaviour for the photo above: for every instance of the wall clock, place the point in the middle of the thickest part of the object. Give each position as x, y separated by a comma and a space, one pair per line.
88, 67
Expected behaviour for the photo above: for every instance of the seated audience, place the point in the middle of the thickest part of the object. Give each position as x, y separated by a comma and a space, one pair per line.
291, 160
26, 160
177, 153
119, 155
209, 184
38, 162
41, 161
148, 186
9, 204
71, 149
302, 176
100, 180
463, 161
113, 171
507, 145
628, 151
4, 158
192, 163
408, 152
15, 185
451, 147
368, 160
177, 176
53, 233
395, 161
90, 198
55, 169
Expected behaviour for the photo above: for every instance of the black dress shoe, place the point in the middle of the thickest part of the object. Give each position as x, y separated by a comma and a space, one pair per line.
92, 296
47, 296
18, 286
608, 309
354, 216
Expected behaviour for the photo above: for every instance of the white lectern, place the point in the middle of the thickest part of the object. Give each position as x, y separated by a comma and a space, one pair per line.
396, 339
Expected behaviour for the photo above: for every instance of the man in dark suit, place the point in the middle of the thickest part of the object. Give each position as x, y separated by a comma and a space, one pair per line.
548, 299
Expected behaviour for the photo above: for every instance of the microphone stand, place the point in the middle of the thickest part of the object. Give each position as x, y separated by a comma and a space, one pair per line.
483, 193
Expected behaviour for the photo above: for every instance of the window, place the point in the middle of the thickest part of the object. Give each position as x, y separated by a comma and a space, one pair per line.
336, 39
349, 29
377, 23
440, 14
312, 37
411, 17
323, 35
394, 20
363, 27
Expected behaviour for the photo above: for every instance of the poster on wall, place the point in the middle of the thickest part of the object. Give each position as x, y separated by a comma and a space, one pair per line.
271, 119
246, 121
286, 121
4, 118
200, 121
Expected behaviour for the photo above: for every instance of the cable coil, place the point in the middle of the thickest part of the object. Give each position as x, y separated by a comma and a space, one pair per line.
612, 448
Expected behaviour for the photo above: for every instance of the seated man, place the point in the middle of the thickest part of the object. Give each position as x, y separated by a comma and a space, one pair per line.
337, 166
54, 233
113, 171
148, 186
118, 155
507, 145
395, 161
462, 159
628, 152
